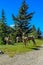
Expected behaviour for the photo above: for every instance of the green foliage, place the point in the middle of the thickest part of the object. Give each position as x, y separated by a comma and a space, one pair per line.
11, 50
34, 31
22, 20
39, 33
3, 22
4, 29
3, 26
21, 25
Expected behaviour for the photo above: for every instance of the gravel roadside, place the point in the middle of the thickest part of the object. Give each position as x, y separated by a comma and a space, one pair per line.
29, 58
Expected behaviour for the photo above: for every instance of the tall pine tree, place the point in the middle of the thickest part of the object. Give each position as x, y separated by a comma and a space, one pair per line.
4, 23
34, 31
22, 20
3, 26
39, 33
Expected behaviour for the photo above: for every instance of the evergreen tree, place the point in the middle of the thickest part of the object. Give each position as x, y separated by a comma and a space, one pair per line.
39, 33
22, 20
3, 26
0, 32
34, 31
4, 23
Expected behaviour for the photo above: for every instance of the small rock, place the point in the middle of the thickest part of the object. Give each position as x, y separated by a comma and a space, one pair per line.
1, 52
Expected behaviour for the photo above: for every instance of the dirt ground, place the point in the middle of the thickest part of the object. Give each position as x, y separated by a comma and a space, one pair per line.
34, 57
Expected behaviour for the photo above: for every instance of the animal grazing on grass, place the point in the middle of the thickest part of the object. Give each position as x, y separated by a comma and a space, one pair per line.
7, 40
25, 39
33, 39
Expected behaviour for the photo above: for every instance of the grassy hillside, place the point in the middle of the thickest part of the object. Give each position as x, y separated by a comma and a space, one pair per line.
11, 50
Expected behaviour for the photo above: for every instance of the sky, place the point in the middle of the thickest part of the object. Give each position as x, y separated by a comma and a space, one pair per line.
12, 7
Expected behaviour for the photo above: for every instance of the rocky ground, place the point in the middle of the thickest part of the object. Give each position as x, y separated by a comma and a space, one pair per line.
29, 58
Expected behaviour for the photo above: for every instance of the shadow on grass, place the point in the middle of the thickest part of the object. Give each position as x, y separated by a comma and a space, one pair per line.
40, 46
35, 48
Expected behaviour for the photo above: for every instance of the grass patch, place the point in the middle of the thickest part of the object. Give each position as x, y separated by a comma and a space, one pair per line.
11, 50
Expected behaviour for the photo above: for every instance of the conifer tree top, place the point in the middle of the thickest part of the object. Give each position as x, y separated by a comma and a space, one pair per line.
23, 17
23, 8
